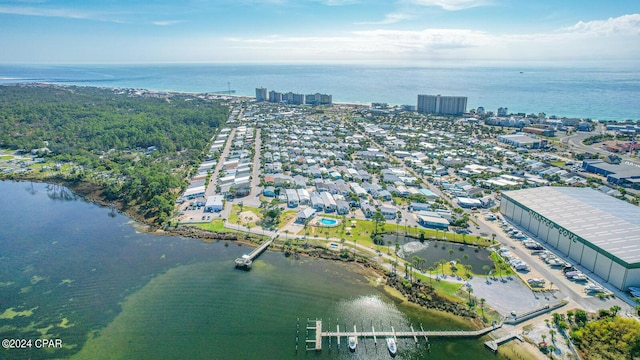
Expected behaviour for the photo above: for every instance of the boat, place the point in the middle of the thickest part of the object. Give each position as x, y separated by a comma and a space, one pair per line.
593, 288
352, 343
391, 345
580, 277
553, 262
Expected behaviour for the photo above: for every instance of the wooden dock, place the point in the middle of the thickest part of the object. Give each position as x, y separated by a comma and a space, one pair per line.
246, 261
318, 335
493, 344
314, 341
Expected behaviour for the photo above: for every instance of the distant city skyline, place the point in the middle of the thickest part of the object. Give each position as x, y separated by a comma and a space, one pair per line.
396, 32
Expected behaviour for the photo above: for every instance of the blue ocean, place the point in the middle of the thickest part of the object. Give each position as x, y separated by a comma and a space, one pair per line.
604, 94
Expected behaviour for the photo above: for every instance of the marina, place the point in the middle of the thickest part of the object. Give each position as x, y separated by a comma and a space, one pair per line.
315, 335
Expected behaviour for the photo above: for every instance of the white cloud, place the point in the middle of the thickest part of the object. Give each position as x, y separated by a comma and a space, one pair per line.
58, 13
390, 18
623, 24
166, 22
612, 39
451, 5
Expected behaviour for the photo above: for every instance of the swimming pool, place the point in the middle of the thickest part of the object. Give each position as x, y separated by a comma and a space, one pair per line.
327, 221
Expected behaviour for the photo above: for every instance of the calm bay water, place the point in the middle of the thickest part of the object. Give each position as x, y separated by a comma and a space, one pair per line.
75, 271
609, 94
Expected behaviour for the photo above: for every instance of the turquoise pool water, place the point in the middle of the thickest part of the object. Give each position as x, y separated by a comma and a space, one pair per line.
327, 222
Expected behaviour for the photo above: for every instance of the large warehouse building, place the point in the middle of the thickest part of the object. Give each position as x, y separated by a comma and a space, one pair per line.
595, 230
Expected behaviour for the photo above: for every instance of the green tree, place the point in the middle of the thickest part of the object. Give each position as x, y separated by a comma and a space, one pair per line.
377, 218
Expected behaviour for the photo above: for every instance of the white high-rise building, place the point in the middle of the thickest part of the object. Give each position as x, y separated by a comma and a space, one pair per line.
442, 105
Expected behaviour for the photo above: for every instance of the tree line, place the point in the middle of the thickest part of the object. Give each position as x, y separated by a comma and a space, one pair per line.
140, 148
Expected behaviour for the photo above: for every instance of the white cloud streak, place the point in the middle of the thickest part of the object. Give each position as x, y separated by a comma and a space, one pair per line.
390, 18
451, 5
57, 13
614, 38
623, 24
166, 22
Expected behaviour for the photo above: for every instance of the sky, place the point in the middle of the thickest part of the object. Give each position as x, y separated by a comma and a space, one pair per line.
400, 32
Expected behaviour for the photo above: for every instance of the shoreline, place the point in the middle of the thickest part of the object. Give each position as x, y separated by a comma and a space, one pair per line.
356, 103
376, 276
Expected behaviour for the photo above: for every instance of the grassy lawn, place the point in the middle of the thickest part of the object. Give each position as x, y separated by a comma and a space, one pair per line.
362, 229
557, 163
287, 216
445, 288
234, 217
6, 157
216, 225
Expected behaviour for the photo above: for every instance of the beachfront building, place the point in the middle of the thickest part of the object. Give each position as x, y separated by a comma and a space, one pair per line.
261, 94
442, 105
597, 231
318, 99
275, 97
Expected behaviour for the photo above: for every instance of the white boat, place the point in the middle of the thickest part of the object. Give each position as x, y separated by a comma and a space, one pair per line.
593, 288
391, 345
352, 343
579, 277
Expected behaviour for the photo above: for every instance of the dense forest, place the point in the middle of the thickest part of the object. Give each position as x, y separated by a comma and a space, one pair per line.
139, 146
608, 336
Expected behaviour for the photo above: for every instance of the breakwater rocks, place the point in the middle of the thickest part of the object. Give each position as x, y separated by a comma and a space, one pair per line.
425, 295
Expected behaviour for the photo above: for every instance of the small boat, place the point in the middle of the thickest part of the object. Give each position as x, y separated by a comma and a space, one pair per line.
391, 345
352, 343
593, 288
580, 277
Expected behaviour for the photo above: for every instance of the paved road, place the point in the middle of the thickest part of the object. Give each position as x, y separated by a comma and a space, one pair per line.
565, 288
211, 188
575, 142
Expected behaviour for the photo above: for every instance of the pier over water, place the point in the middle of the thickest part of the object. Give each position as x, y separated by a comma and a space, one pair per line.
315, 334
246, 261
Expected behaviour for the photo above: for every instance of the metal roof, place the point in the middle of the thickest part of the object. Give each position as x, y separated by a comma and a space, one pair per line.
611, 224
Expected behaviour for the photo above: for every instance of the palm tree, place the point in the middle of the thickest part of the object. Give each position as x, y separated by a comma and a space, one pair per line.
493, 236
450, 253
286, 235
405, 225
552, 333
470, 290
482, 300
397, 249
416, 261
